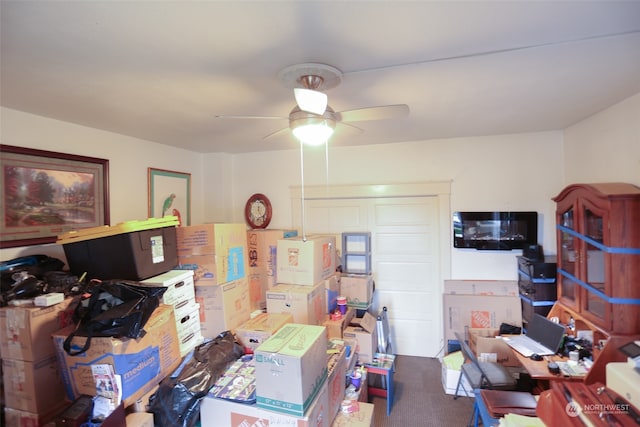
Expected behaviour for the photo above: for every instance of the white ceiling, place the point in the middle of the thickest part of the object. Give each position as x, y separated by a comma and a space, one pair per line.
162, 70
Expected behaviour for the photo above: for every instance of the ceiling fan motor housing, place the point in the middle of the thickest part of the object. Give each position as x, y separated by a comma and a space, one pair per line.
297, 118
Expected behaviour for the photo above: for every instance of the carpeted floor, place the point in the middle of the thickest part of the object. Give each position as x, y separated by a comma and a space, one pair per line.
420, 400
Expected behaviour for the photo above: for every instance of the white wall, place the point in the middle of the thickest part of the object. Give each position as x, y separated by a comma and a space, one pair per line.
128, 158
606, 146
506, 172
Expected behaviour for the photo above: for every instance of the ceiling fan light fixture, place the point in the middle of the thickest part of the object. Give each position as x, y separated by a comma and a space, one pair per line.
312, 129
313, 133
311, 100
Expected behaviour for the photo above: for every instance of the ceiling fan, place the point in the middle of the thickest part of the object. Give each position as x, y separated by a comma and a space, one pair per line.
313, 120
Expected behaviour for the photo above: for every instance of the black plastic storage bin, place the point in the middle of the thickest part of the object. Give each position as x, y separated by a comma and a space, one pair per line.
132, 250
537, 279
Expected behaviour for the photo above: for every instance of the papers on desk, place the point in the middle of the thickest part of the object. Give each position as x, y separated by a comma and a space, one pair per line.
572, 369
515, 420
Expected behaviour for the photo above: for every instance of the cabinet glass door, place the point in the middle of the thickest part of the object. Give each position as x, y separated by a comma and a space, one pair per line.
594, 263
569, 258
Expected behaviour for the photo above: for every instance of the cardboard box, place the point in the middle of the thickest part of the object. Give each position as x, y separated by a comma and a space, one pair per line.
361, 416
223, 307
622, 378
451, 364
366, 336
337, 371
25, 331
255, 331
291, 368
189, 330
335, 328
180, 294
226, 413
139, 419
473, 334
217, 253
131, 250
180, 289
473, 311
142, 363
262, 246
358, 289
332, 290
481, 287
259, 283
306, 262
487, 347
306, 303
32, 386
16, 417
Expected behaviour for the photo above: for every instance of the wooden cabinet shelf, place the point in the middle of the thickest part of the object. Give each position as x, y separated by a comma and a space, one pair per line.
598, 239
598, 243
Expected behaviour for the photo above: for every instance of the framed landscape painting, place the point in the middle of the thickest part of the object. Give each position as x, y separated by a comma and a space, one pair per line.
46, 193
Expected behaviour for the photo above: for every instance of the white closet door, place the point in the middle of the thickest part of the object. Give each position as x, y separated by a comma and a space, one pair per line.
405, 260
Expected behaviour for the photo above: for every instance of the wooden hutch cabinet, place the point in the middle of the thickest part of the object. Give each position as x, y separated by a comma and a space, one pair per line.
598, 238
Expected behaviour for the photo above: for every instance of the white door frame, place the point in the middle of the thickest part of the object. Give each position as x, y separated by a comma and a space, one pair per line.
439, 189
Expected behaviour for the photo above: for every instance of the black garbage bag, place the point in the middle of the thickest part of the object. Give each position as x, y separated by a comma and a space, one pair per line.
176, 403
112, 308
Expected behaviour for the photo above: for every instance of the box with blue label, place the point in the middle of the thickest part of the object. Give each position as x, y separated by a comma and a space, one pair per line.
141, 363
295, 356
217, 253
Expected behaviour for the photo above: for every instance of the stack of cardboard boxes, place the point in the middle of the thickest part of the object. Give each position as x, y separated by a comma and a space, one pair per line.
356, 286
262, 247
300, 365
180, 295
275, 291
33, 389
41, 379
218, 256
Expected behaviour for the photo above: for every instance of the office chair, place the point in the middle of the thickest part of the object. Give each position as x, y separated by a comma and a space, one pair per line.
489, 375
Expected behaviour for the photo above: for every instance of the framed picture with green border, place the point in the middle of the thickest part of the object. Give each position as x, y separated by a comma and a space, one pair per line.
169, 194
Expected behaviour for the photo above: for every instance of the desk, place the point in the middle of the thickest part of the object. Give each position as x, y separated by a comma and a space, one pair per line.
538, 370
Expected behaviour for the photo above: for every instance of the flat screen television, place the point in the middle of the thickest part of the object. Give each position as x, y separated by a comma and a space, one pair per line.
495, 230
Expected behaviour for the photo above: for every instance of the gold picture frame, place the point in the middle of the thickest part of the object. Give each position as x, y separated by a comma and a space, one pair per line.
46, 193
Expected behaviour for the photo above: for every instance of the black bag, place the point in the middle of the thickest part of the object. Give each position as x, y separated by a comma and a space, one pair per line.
114, 308
507, 329
176, 403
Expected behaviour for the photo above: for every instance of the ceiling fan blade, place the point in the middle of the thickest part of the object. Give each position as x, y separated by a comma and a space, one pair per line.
373, 113
350, 126
278, 132
310, 100
251, 117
